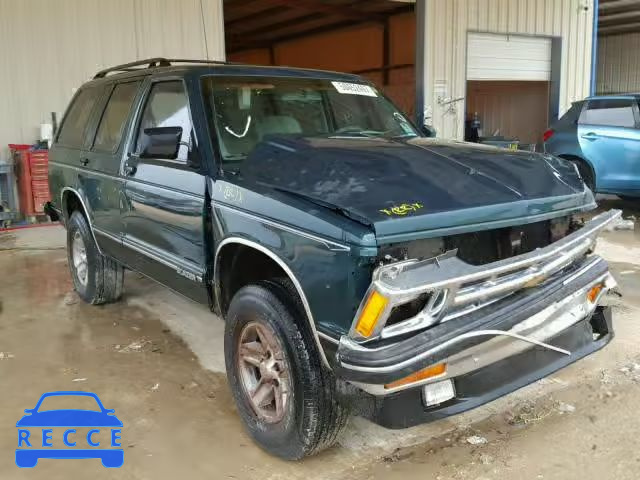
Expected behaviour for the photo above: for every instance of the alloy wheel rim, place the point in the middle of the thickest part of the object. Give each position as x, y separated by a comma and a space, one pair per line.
264, 372
79, 258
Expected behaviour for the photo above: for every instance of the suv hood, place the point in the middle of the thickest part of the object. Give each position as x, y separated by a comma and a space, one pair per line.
413, 186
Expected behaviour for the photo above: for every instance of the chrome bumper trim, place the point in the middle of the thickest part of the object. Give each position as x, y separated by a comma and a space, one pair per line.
470, 287
535, 330
482, 333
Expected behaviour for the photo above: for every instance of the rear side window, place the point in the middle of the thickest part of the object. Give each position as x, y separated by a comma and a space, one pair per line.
616, 112
74, 125
167, 106
115, 117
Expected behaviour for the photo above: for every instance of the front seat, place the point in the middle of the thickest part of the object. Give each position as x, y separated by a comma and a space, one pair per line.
278, 125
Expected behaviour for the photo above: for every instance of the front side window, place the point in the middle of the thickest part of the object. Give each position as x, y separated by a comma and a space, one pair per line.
245, 111
115, 117
75, 122
167, 106
616, 112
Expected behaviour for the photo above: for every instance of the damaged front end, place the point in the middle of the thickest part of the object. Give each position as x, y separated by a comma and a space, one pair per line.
435, 337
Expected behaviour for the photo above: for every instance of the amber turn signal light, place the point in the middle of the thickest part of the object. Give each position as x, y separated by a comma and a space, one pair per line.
429, 372
372, 310
592, 294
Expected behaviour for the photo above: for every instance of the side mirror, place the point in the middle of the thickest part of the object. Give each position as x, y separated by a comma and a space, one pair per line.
161, 142
28, 410
428, 131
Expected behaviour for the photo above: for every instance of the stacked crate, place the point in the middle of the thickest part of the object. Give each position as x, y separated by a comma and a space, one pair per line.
33, 181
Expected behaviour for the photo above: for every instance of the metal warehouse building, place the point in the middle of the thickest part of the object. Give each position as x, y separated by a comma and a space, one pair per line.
508, 59
517, 64
50, 47
618, 46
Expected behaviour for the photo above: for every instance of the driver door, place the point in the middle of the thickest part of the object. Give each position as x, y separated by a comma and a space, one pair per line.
164, 199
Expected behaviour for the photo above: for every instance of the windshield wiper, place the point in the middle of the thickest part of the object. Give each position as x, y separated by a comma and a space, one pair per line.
357, 131
234, 157
405, 135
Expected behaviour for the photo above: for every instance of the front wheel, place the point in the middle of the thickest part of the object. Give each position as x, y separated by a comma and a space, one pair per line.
97, 279
284, 395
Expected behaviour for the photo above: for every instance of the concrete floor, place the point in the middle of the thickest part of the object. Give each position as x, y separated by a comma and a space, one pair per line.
157, 359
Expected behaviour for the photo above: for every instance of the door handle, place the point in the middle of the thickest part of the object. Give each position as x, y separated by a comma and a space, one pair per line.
131, 165
130, 169
591, 136
84, 161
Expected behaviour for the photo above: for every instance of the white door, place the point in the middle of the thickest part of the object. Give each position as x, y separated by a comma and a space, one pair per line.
493, 56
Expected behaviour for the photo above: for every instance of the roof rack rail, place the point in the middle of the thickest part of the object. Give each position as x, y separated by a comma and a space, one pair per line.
154, 63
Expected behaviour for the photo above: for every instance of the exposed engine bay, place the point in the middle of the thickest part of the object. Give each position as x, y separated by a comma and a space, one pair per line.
480, 248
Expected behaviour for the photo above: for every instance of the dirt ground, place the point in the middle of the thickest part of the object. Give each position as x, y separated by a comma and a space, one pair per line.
157, 359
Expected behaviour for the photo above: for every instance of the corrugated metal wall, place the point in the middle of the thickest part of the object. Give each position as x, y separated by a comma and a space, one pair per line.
618, 64
449, 21
50, 47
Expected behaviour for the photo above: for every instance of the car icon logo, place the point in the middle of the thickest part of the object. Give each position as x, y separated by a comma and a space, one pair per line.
36, 434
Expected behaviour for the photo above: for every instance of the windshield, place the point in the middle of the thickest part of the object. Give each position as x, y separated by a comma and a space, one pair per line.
245, 111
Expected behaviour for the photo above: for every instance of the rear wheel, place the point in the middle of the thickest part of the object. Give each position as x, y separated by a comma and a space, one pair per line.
284, 395
96, 278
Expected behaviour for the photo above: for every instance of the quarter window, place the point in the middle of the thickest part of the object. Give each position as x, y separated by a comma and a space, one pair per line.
74, 126
616, 112
115, 116
167, 106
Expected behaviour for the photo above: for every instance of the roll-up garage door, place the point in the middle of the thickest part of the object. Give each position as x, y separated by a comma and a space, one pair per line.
508, 57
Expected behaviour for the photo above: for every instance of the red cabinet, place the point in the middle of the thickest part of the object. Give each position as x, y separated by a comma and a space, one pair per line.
33, 181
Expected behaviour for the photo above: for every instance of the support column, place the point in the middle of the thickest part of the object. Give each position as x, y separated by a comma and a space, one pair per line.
421, 60
212, 12
594, 49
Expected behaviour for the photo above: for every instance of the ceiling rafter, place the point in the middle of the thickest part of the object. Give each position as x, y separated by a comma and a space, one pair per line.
612, 6
619, 18
344, 11
618, 29
262, 23
283, 31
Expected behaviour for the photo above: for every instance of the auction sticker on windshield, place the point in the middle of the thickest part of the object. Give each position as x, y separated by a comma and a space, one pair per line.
354, 89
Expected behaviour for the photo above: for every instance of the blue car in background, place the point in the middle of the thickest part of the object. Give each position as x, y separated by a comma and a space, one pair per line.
601, 135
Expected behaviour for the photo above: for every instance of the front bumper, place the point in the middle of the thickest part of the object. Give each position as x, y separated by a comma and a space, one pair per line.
531, 317
513, 322
406, 408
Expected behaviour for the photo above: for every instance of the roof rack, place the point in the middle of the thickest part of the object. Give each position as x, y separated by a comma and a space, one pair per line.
154, 63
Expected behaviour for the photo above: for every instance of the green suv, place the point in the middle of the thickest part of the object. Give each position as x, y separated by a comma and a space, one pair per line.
361, 268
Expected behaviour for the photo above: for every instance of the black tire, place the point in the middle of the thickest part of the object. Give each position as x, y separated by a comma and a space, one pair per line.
104, 276
313, 417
